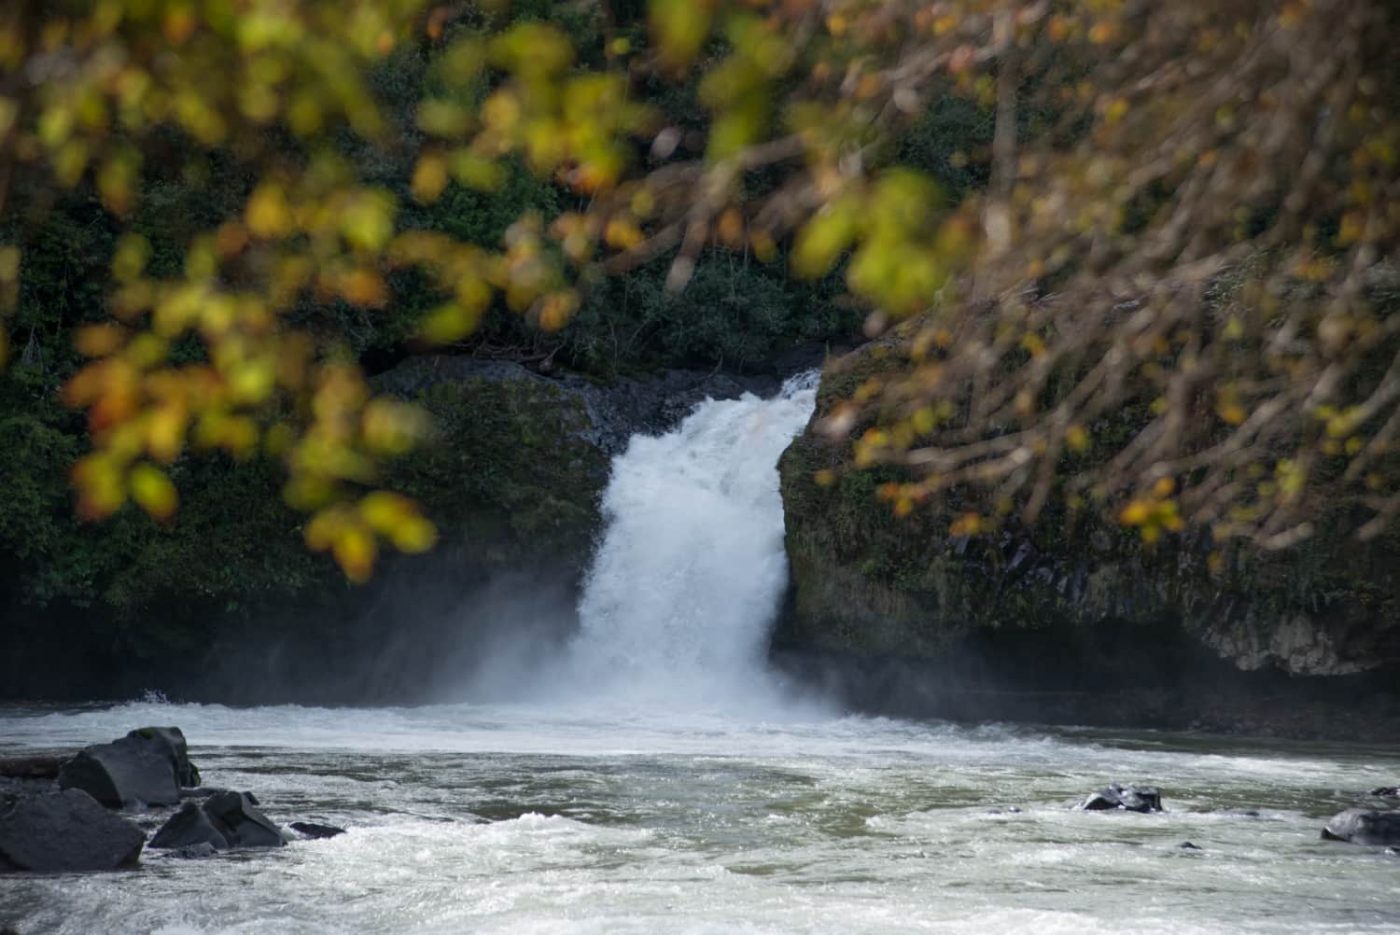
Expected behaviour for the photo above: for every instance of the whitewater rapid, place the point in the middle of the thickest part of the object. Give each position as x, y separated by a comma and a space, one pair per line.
530, 819
656, 777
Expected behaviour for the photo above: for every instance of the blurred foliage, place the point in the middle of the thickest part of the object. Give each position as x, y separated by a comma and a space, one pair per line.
1074, 208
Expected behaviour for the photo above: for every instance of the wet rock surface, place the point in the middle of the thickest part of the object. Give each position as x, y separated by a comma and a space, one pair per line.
54, 832
224, 821
132, 771
170, 741
315, 830
1113, 797
1363, 826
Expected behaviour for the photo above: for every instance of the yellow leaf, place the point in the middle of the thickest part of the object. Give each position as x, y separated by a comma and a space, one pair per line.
392, 428
267, 214
680, 27
384, 511
368, 221
1077, 438
447, 323
1136, 513
100, 488
153, 491
355, 552
99, 340
132, 253
414, 535
556, 308
429, 178
364, 287
823, 238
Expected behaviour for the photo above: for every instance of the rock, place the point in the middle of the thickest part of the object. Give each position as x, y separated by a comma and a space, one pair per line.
64, 831
242, 823
1363, 826
224, 820
171, 741
1385, 792
189, 827
132, 771
194, 851
1027, 623
1188, 846
31, 767
1142, 799
311, 829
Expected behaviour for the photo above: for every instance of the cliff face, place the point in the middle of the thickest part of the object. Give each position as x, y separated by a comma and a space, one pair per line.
1064, 607
228, 604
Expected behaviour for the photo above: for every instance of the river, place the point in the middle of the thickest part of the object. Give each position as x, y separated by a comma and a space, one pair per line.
510, 818
655, 777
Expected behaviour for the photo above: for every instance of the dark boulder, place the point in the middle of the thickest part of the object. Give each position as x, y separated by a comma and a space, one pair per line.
128, 772
194, 851
1363, 826
224, 820
1387, 792
1188, 846
1114, 797
171, 742
64, 831
244, 824
189, 827
314, 830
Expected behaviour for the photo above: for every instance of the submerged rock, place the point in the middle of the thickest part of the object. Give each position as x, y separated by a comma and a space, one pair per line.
64, 831
127, 772
224, 820
314, 830
1387, 792
1363, 826
1188, 846
1113, 797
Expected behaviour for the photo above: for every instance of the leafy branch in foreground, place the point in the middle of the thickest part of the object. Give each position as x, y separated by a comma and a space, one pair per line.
1172, 303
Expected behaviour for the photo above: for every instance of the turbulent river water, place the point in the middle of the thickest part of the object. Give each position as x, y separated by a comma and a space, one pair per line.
655, 778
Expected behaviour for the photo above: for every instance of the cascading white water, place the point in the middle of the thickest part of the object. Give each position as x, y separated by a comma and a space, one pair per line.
691, 568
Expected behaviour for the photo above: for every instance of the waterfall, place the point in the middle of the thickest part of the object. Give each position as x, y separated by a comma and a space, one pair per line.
691, 569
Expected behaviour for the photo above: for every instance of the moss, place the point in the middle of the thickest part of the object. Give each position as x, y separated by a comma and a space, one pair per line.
866, 582
509, 479
510, 471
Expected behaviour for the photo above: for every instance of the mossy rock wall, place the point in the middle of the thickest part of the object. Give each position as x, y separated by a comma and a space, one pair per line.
227, 603
1081, 605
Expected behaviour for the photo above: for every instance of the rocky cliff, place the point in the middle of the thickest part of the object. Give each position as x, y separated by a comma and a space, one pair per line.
1066, 620
228, 604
